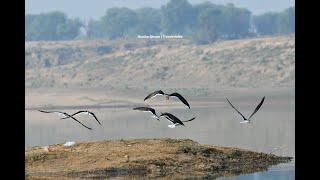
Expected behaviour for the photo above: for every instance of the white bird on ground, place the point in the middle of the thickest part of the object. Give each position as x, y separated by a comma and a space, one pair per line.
69, 143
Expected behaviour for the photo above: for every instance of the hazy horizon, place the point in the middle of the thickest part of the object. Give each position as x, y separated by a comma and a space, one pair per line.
96, 8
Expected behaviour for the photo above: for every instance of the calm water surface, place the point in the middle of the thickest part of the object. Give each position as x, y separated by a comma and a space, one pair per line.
271, 130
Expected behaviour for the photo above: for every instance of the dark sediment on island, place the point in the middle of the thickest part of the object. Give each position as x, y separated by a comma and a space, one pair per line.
148, 158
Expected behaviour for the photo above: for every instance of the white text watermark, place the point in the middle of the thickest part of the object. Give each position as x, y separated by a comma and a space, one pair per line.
162, 36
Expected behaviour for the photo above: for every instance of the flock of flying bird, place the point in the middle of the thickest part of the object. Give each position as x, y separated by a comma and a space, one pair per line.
170, 117
174, 121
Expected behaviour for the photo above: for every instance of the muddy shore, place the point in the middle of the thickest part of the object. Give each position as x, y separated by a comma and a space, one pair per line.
149, 158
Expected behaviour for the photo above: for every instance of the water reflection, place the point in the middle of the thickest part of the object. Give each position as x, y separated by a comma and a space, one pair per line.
282, 172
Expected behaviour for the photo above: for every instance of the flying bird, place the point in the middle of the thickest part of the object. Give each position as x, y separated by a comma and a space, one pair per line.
154, 94
65, 115
181, 98
174, 120
245, 120
85, 112
159, 92
148, 109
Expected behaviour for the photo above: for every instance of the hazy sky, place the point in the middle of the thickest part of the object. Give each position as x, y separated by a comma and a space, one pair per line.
94, 9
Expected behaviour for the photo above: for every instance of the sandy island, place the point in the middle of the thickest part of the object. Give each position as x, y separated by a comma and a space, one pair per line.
148, 158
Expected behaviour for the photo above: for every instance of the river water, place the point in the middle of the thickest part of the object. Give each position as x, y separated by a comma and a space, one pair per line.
272, 129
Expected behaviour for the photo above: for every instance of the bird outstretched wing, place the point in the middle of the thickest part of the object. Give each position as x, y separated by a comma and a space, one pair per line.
154, 94
257, 108
235, 109
182, 99
45, 111
78, 113
80, 122
147, 109
172, 118
74, 114
51, 111
94, 116
67, 115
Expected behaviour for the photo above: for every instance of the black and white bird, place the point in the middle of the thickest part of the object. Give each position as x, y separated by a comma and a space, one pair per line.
148, 109
154, 94
65, 115
177, 95
245, 120
84, 112
174, 120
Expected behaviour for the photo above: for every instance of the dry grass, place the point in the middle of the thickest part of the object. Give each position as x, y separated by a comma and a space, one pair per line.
238, 63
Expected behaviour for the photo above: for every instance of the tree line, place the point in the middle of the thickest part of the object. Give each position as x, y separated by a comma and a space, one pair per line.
205, 22
51, 26
275, 23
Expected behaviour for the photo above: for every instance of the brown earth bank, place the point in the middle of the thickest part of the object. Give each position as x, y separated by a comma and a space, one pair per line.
144, 158
146, 65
